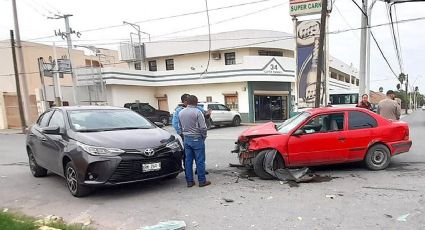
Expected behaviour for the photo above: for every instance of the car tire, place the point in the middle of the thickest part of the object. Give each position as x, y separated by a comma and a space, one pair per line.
259, 166
36, 170
378, 157
74, 185
164, 120
236, 121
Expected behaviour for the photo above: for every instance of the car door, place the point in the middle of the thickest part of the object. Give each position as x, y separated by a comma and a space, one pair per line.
225, 112
362, 130
322, 141
53, 144
37, 138
216, 114
148, 112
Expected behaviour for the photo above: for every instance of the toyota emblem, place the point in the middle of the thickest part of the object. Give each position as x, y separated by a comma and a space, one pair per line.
149, 152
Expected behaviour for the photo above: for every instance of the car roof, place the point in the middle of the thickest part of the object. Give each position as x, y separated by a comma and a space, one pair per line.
88, 107
314, 111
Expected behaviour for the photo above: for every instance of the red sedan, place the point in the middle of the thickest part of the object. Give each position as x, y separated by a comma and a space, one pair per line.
325, 136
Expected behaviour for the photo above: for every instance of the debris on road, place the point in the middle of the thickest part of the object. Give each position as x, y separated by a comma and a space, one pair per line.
269, 198
391, 189
167, 225
330, 196
388, 215
228, 200
236, 165
403, 218
5, 210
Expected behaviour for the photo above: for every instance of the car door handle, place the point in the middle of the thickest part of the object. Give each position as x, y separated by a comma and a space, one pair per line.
43, 139
341, 139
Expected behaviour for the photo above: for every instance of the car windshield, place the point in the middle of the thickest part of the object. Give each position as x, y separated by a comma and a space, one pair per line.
293, 122
107, 120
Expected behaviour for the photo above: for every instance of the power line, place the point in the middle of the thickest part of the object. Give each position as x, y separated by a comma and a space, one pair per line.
166, 17
383, 55
394, 38
209, 38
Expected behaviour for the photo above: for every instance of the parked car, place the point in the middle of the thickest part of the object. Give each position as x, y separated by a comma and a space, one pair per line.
149, 112
423, 107
221, 114
325, 136
93, 146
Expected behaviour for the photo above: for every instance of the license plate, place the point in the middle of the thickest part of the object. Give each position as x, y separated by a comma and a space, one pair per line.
151, 167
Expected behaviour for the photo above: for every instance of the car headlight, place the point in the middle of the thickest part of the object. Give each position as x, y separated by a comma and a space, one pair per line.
174, 145
100, 151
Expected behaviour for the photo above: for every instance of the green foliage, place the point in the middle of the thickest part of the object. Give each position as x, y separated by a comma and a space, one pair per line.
14, 221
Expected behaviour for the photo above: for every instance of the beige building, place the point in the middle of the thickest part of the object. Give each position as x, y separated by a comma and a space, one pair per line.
9, 113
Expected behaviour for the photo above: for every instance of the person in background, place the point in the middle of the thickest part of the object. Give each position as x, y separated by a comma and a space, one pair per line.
194, 130
364, 103
389, 108
175, 120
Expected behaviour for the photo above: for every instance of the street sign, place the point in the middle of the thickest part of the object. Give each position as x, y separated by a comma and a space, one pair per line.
304, 7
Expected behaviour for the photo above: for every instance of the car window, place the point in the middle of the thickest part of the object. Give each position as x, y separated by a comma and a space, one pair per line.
44, 120
360, 120
57, 120
325, 123
146, 108
293, 122
222, 107
107, 119
135, 107
213, 107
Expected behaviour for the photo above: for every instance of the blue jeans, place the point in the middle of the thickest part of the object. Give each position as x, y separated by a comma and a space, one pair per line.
194, 149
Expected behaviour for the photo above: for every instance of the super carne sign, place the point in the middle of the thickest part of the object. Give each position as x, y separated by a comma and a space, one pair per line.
304, 7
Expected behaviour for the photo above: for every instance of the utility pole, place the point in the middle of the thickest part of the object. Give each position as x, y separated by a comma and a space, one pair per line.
40, 62
407, 94
67, 36
139, 34
56, 79
320, 62
22, 75
363, 48
17, 82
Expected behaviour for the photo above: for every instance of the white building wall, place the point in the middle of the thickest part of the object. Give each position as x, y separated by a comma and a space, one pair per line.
118, 95
216, 91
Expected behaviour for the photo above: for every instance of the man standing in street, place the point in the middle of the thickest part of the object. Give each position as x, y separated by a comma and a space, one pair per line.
389, 108
194, 130
175, 121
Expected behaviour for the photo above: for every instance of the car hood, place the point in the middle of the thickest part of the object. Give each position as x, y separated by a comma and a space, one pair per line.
260, 130
125, 139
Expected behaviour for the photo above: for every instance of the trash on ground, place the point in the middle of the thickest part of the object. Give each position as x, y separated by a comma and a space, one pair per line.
403, 218
5, 210
228, 200
167, 225
330, 196
47, 228
388, 215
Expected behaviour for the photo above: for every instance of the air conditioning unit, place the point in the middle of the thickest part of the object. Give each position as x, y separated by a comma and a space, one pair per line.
216, 55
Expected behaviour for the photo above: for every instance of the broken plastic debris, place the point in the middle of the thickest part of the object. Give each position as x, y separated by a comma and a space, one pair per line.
167, 225
403, 217
388, 215
228, 200
330, 196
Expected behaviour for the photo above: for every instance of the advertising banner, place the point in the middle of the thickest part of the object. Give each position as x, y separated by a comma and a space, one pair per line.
304, 7
307, 52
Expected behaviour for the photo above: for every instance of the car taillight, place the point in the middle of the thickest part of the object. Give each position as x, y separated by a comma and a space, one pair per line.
406, 136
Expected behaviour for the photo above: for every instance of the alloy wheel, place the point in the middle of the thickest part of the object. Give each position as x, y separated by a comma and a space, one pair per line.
378, 158
71, 177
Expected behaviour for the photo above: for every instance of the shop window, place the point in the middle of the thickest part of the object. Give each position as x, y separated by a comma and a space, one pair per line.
152, 65
209, 99
230, 58
138, 66
169, 64
231, 101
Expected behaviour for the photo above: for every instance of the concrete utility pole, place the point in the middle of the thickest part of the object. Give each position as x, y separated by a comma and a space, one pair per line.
139, 34
56, 79
363, 48
407, 93
320, 61
67, 36
22, 75
17, 82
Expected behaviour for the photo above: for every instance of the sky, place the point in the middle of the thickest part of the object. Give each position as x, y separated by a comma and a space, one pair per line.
106, 18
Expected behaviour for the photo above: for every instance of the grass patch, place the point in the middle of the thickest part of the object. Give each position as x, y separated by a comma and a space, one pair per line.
15, 221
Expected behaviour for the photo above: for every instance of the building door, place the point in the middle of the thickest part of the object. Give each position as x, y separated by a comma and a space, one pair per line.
163, 104
270, 107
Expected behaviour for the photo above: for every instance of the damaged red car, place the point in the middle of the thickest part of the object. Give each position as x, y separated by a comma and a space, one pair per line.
324, 136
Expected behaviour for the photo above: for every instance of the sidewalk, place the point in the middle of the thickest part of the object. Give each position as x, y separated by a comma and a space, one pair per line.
10, 131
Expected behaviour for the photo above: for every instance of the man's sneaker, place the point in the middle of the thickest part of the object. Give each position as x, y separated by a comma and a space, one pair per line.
205, 184
190, 184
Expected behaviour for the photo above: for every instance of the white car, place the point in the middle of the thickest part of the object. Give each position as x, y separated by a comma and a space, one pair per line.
423, 107
221, 114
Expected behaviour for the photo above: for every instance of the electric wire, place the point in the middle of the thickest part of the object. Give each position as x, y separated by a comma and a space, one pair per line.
394, 38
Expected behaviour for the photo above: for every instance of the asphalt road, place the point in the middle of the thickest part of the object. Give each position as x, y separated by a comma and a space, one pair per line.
359, 198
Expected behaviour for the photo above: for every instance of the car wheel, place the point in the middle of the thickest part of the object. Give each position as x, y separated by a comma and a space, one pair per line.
378, 157
259, 166
74, 186
36, 170
236, 121
164, 120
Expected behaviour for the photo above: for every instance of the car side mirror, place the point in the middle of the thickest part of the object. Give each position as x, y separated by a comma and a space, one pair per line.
159, 124
53, 130
298, 132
